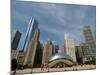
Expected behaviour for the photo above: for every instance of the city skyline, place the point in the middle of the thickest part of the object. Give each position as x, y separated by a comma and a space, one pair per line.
54, 20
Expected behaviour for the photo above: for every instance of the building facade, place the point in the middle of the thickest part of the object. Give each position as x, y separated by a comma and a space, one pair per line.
33, 38
89, 40
38, 55
14, 54
79, 54
56, 48
89, 47
69, 47
47, 51
20, 57
88, 34
15, 38
32, 27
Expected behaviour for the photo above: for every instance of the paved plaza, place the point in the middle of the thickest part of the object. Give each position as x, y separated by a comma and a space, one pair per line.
38, 70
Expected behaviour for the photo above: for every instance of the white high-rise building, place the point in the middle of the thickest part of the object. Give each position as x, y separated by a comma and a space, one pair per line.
31, 42
47, 51
69, 47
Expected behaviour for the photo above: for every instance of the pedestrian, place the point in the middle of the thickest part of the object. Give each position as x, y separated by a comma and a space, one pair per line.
48, 67
14, 65
42, 67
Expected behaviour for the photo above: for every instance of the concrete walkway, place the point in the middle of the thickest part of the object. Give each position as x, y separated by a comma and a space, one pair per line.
38, 70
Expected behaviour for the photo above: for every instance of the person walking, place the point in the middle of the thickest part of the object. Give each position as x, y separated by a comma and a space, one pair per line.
14, 66
42, 67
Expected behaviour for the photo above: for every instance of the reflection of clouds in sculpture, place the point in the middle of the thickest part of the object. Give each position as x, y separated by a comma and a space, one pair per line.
60, 55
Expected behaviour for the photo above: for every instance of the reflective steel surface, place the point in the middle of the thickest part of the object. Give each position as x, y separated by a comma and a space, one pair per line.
60, 55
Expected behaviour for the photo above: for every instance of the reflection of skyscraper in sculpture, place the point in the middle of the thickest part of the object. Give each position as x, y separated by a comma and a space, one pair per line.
69, 47
33, 39
47, 52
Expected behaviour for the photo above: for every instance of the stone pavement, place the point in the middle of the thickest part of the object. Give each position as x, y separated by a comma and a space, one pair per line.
38, 70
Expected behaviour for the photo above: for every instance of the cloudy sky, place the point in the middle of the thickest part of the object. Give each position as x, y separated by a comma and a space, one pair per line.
54, 20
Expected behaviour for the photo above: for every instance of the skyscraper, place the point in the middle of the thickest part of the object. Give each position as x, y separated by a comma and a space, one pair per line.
55, 49
88, 34
20, 57
69, 47
38, 55
79, 53
32, 27
47, 52
89, 47
15, 38
32, 42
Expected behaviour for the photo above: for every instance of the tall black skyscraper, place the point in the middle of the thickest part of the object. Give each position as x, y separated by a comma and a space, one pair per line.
56, 48
15, 38
38, 55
